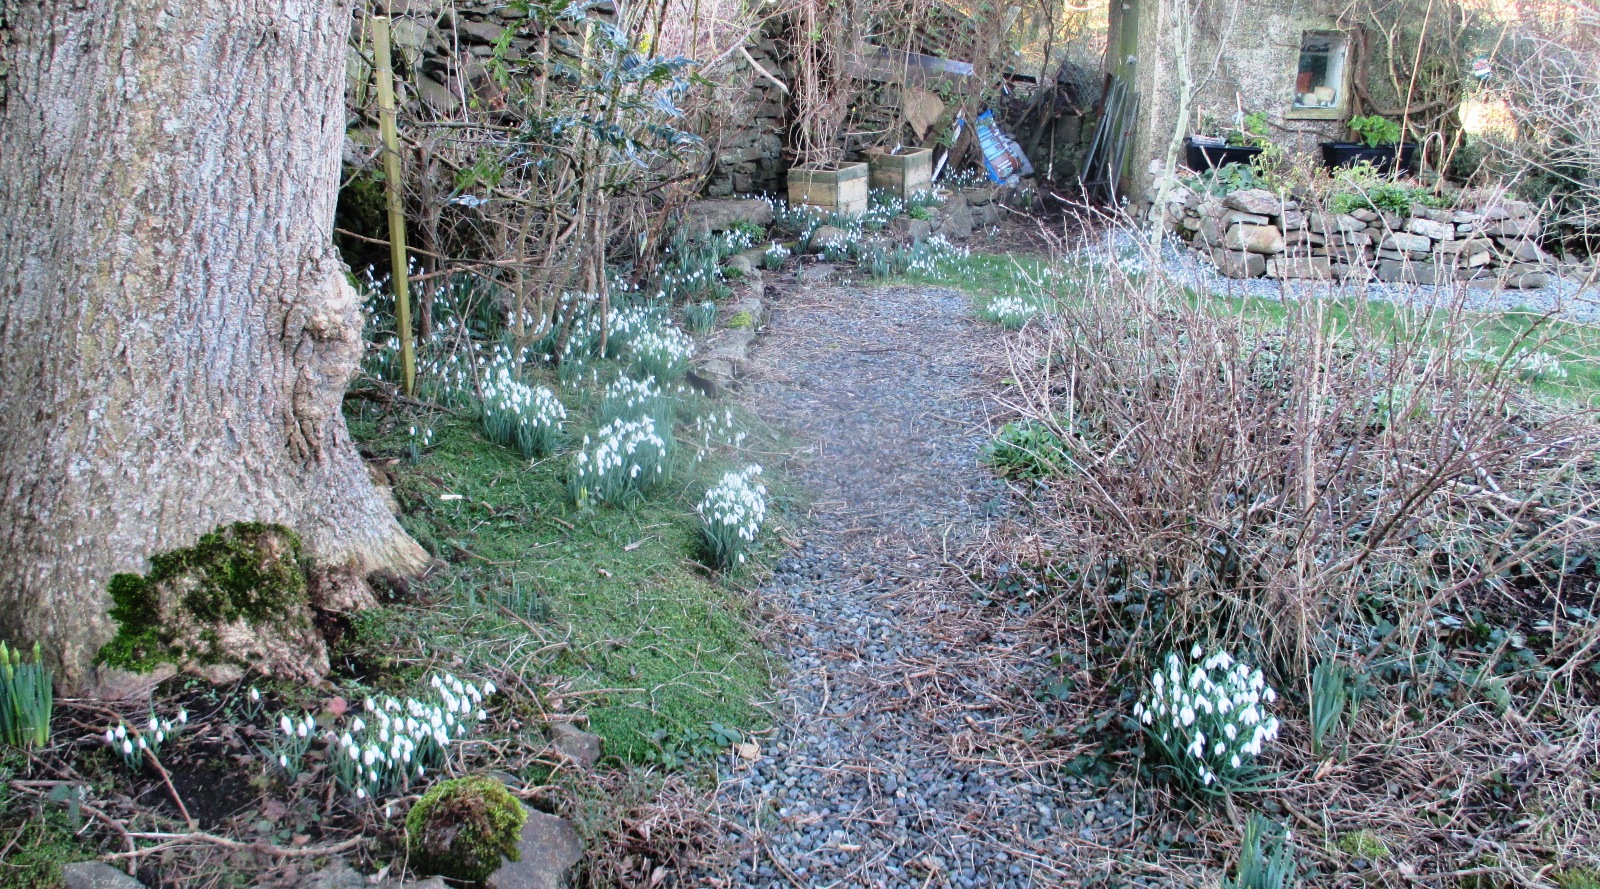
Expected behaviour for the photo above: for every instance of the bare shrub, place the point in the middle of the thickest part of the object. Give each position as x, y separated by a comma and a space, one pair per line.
1299, 486
1549, 79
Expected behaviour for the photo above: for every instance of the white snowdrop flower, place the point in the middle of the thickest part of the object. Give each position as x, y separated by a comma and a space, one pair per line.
111, 738
488, 688
361, 793
1187, 716
183, 716
160, 736
142, 745
255, 696
153, 725
127, 747
354, 752
286, 724
358, 725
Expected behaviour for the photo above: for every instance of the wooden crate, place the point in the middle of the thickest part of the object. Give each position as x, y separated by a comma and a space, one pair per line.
842, 189
901, 174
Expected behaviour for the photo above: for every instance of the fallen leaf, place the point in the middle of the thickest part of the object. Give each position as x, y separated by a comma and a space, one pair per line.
633, 546
336, 705
603, 572
747, 750
657, 875
300, 839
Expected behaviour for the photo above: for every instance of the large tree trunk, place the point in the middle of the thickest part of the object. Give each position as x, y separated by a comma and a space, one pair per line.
176, 329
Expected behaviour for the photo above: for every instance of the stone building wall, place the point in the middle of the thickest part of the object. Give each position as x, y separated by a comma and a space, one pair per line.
1259, 49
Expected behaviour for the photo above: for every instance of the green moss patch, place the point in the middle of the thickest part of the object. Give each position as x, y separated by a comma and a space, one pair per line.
460, 828
198, 603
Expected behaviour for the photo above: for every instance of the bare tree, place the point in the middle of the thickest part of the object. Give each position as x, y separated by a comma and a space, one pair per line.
176, 329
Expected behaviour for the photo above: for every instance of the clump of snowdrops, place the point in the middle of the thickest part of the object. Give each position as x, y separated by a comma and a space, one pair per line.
622, 461
132, 744
1011, 311
731, 515
1208, 720
520, 416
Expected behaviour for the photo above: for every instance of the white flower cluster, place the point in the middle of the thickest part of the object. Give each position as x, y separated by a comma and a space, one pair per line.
731, 514
405, 738
628, 398
712, 431
1210, 720
626, 459
661, 350
1011, 311
772, 258
132, 744
517, 415
938, 256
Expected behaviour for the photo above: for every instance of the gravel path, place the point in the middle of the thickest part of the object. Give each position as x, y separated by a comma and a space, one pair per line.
894, 763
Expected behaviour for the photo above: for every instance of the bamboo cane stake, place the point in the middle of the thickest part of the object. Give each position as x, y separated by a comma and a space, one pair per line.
393, 185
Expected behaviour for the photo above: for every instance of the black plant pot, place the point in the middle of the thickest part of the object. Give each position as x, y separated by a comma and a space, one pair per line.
1338, 155
1200, 157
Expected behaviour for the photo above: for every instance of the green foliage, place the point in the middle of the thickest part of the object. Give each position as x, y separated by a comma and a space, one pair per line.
1361, 187
1577, 878
750, 231
700, 318
41, 834
1364, 844
461, 827
1252, 131
742, 321
1264, 863
1226, 179
26, 698
1026, 449
1375, 130
1330, 692
247, 571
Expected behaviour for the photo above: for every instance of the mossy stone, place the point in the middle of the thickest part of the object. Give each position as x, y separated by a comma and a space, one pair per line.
462, 827
197, 602
742, 320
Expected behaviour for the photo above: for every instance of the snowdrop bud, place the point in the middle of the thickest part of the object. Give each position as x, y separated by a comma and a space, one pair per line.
183, 717
361, 793
285, 724
255, 696
142, 745
283, 760
127, 747
153, 725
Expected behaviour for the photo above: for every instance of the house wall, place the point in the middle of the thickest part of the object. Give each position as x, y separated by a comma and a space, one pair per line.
1255, 47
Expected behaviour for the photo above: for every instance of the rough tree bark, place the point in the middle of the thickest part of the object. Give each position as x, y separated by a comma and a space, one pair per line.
176, 331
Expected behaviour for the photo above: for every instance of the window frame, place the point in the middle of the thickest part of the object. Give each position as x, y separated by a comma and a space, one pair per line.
1341, 105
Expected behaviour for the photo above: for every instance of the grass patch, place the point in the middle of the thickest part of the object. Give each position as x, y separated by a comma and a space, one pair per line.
607, 605
38, 833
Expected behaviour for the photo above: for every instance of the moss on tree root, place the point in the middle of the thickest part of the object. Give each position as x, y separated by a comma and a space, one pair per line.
237, 597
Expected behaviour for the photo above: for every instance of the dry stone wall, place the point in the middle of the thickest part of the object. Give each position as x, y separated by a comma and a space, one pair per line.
1255, 233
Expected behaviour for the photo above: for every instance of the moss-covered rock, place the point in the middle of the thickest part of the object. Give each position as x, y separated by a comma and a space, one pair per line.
234, 601
742, 320
461, 828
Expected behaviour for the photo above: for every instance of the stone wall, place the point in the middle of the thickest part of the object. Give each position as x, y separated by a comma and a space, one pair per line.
1255, 233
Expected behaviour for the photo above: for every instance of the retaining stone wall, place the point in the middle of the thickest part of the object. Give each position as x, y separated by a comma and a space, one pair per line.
1254, 233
